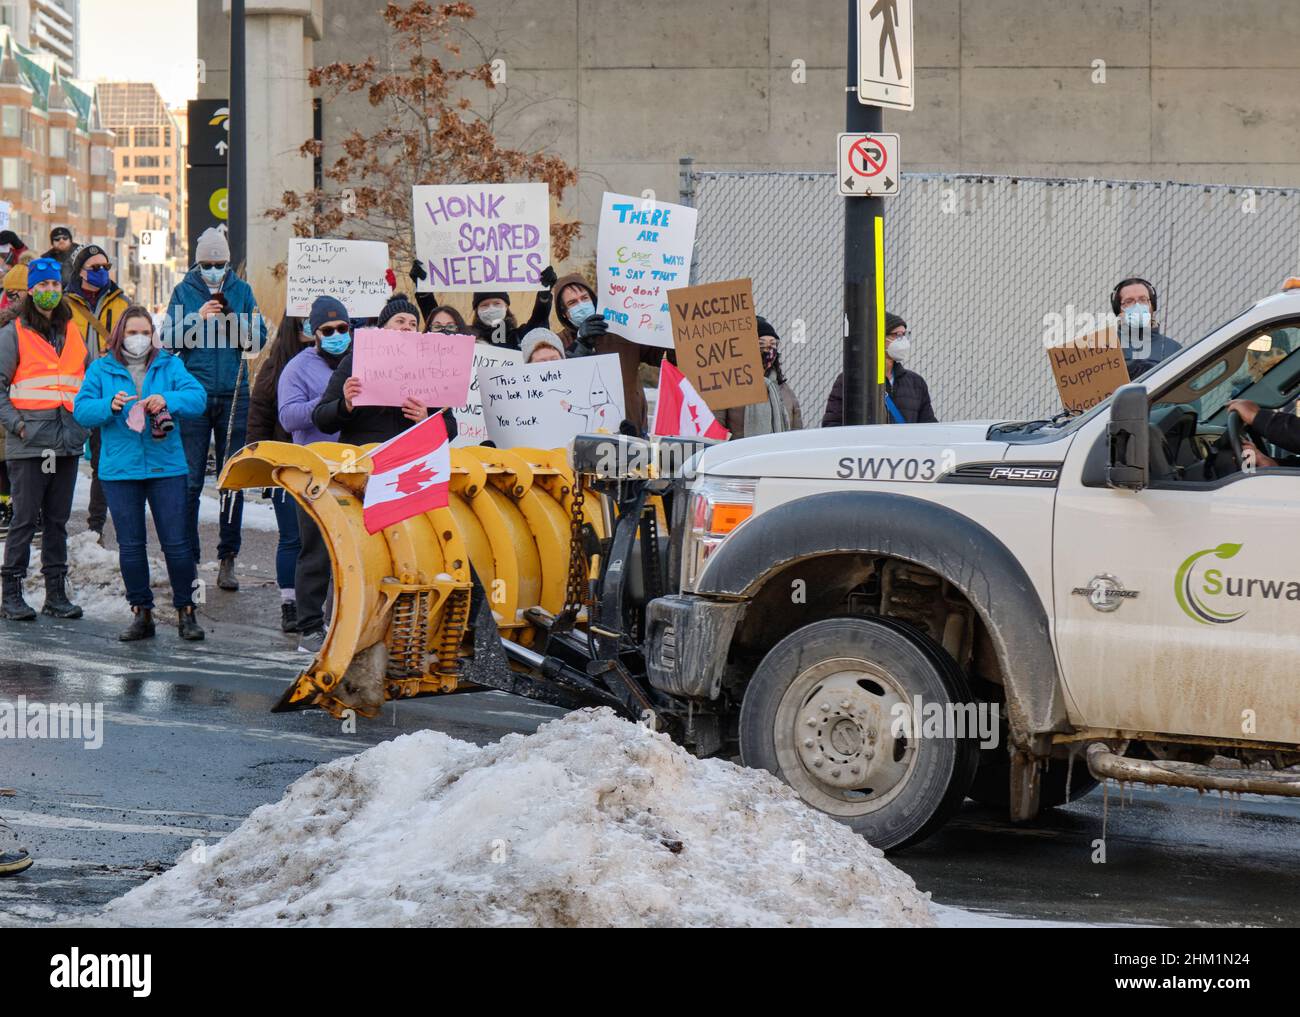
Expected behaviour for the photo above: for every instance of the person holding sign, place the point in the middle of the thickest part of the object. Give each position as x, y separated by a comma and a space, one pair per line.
493, 323
780, 410
907, 397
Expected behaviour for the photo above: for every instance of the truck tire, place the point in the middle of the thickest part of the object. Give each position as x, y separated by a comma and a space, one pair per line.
818, 714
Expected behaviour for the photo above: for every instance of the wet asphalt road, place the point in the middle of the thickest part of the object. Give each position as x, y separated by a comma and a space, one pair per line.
191, 748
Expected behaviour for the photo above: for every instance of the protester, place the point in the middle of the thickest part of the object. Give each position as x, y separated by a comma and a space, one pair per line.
97, 304
780, 410
212, 320
293, 336
299, 390
43, 360
445, 319
541, 345
575, 302
1134, 301
494, 323
131, 394
62, 249
907, 397
399, 314
12, 250
15, 288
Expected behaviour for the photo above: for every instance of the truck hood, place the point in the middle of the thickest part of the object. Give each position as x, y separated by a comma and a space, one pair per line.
821, 452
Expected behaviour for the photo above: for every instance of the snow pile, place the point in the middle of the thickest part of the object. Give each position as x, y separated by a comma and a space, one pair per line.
592, 821
95, 579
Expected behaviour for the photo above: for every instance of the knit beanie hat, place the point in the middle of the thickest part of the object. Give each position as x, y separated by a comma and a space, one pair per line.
399, 303
540, 337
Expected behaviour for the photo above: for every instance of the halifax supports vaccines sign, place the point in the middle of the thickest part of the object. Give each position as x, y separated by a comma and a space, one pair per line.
482, 236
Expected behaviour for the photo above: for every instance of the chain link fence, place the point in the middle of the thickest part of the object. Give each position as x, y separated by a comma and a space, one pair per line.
977, 264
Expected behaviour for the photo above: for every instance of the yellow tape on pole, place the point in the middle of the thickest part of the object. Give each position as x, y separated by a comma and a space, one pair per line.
880, 300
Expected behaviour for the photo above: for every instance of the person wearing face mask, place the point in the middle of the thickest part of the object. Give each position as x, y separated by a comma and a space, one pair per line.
212, 322
301, 385
43, 360
907, 397
293, 336
493, 323
97, 303
130, 394
780, 410
15, 287
1134, 302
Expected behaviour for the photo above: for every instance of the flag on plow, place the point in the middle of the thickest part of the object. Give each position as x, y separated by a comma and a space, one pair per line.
410, 475
681, 411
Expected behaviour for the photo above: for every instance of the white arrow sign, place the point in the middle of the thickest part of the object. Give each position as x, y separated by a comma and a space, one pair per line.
221, 147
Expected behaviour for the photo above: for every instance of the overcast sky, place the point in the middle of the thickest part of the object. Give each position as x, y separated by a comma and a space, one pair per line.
142, 40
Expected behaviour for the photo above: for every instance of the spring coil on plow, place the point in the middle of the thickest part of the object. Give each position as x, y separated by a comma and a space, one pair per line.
408, 635
456, 618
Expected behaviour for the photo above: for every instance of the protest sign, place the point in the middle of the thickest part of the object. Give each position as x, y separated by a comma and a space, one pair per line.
1088, 368
642, 251
351, 270
395, 366
545, 405
472, 427
482, 236
716, 336
6, 210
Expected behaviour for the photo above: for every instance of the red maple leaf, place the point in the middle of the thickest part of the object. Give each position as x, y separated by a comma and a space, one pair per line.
414, 479
695, 415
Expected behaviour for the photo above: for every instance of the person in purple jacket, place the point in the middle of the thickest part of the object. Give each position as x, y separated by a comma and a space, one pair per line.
301, 385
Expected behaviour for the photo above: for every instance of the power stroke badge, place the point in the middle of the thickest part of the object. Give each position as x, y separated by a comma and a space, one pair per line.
1105, 592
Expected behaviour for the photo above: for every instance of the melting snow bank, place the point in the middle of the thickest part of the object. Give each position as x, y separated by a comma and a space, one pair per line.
591, 821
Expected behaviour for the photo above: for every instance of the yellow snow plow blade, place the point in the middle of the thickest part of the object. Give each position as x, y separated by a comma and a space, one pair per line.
401, 597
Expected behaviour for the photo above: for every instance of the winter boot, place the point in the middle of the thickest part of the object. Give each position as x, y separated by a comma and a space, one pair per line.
226, 574
187, 625
288, 616
57, 604
12, 606
142, 626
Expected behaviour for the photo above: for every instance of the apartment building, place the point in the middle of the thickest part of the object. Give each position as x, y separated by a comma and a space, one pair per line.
149, 145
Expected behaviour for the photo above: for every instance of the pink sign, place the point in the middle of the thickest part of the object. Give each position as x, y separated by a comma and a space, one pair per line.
395, 366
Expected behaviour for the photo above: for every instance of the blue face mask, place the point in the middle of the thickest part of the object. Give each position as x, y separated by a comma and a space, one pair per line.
336, 344
97, 277
212, 276
579, 313
1137, 316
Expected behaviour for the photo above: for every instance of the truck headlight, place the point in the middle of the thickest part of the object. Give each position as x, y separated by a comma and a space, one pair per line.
718, 505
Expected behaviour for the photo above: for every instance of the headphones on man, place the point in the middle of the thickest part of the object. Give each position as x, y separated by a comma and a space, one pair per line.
1114, 294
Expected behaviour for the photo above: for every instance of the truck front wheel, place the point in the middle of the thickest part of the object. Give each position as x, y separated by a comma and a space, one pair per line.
841, 711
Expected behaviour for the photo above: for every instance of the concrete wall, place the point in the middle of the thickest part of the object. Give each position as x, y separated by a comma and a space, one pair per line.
1195, 90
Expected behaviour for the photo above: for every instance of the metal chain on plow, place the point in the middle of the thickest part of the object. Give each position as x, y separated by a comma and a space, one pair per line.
576, 594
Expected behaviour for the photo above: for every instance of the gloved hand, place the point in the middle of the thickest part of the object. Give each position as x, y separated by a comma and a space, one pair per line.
390, 277
590, 332
417, 272
548, 277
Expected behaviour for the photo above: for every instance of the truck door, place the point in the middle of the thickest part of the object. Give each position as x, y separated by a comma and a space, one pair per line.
1178, 606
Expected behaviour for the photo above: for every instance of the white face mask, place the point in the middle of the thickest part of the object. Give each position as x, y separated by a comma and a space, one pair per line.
492, 315
137, 345
899, 349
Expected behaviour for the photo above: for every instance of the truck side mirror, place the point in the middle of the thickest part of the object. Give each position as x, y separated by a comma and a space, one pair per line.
1129, 437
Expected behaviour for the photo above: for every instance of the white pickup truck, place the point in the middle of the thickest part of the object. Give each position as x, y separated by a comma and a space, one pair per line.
894, 618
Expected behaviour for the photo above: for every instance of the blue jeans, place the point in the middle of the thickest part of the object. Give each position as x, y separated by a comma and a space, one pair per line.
286, 551
195, 432
166, 499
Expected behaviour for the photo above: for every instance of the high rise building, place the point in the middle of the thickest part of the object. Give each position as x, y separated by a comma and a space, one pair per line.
149, 149
48, 27
56, 155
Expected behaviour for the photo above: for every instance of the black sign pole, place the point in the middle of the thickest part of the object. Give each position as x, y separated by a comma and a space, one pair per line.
237, 185
864, 395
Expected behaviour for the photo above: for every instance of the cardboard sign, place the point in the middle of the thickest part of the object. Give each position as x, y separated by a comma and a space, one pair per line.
546, 405
395, 366
642, 251
351, 270
469, 418
1088, 369
482, 236
716, 336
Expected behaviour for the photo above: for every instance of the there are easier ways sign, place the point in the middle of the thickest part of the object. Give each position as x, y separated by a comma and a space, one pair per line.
482, 236
715, 332
353, 271
643, 250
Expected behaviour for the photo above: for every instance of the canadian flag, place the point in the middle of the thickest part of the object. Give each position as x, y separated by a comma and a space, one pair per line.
680, 410
410, 475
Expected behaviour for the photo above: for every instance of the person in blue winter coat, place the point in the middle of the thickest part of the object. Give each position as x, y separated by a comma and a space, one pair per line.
212, 321
134, 394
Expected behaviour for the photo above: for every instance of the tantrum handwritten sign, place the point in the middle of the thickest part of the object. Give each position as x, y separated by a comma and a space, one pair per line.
643, 250
1088, 369
482, 236
470, 422
395, 366
545, 405
351, 270
715, 332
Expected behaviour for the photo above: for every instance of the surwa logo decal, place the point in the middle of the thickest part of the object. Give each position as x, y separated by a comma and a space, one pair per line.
1197, 580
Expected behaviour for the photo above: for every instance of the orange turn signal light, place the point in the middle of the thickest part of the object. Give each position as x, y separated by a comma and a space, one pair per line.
1292, 283
726, 517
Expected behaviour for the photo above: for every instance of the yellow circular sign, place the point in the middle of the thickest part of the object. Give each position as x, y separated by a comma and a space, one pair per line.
217, 203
